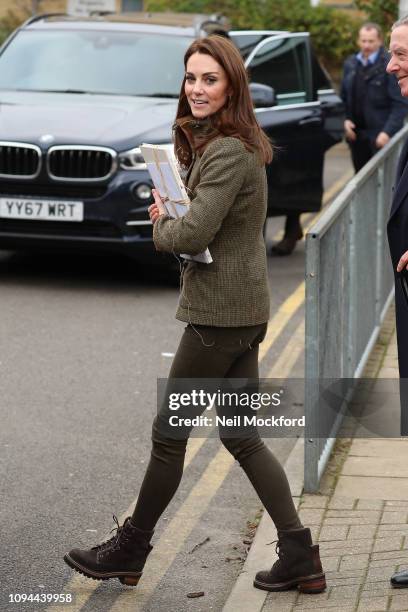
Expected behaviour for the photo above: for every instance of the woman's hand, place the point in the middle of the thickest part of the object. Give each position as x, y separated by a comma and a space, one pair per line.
157, 209
403, 262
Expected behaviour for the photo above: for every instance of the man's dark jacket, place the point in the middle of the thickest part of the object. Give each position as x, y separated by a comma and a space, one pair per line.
398, 241
383, 106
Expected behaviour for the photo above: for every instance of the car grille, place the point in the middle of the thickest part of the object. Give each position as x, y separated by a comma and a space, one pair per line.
98, 229
72, 163
82, 192
19, 160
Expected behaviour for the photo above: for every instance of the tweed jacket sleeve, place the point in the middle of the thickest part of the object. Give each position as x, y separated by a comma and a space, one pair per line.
223, 168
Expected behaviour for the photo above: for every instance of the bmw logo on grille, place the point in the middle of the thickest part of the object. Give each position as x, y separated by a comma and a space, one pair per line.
47, 138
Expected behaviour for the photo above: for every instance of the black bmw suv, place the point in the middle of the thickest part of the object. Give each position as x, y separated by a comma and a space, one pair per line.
79, 95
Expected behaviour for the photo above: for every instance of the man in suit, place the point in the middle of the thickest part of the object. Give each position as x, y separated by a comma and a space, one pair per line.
398, 235
375, 110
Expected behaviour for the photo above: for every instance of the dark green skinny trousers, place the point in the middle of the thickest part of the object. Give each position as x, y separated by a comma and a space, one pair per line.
215, 352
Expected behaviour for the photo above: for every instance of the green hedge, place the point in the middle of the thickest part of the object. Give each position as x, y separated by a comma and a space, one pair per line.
4, 32
333, 31
383, 12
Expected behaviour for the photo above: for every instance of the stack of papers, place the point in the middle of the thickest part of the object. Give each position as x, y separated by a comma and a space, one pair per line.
162, 165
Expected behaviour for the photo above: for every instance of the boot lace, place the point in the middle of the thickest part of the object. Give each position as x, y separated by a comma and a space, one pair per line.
278, 548
113, 542
279, 551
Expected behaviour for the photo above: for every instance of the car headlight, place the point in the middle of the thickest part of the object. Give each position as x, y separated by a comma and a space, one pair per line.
132, 160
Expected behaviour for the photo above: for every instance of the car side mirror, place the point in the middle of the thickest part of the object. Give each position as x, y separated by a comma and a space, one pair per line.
262, 95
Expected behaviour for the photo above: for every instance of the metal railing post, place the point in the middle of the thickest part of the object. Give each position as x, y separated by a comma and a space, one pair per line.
352, 289
380, 245
312, 365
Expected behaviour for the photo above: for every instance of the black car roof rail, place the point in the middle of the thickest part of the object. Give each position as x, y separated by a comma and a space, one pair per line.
215, 23
208, 23
35, 18
101, 13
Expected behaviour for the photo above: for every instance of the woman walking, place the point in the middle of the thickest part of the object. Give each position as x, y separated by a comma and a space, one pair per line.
226, 307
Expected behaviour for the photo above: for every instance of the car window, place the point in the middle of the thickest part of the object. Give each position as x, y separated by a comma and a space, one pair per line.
124, 63
246, 43
321, 79
283, 63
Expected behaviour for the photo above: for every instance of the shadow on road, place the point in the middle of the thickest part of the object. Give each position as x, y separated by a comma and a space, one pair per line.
79, 270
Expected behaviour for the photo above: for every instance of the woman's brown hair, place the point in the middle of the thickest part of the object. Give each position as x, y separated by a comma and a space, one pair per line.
236, 118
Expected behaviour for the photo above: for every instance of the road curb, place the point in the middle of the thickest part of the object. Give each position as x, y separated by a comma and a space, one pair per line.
244, 596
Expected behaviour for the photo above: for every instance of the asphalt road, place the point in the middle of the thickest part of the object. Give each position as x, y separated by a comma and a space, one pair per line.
82, 342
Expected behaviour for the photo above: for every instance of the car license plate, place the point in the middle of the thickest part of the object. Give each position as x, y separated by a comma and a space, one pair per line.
44, 210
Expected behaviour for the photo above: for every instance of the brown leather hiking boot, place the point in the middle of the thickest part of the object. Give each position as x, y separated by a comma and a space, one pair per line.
298, 565
123, 556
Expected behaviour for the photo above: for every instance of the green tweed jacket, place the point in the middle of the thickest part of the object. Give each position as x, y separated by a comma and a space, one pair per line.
228, 191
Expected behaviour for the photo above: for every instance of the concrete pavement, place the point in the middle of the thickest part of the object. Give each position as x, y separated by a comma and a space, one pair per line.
359, 518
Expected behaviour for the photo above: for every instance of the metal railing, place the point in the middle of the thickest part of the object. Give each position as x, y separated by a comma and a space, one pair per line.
349, 286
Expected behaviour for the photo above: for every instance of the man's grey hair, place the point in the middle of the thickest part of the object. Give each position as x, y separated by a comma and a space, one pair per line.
401, 22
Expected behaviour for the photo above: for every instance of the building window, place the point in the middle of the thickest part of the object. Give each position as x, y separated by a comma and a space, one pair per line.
132, 5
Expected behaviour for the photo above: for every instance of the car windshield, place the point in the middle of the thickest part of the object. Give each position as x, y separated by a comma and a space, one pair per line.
117, 63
